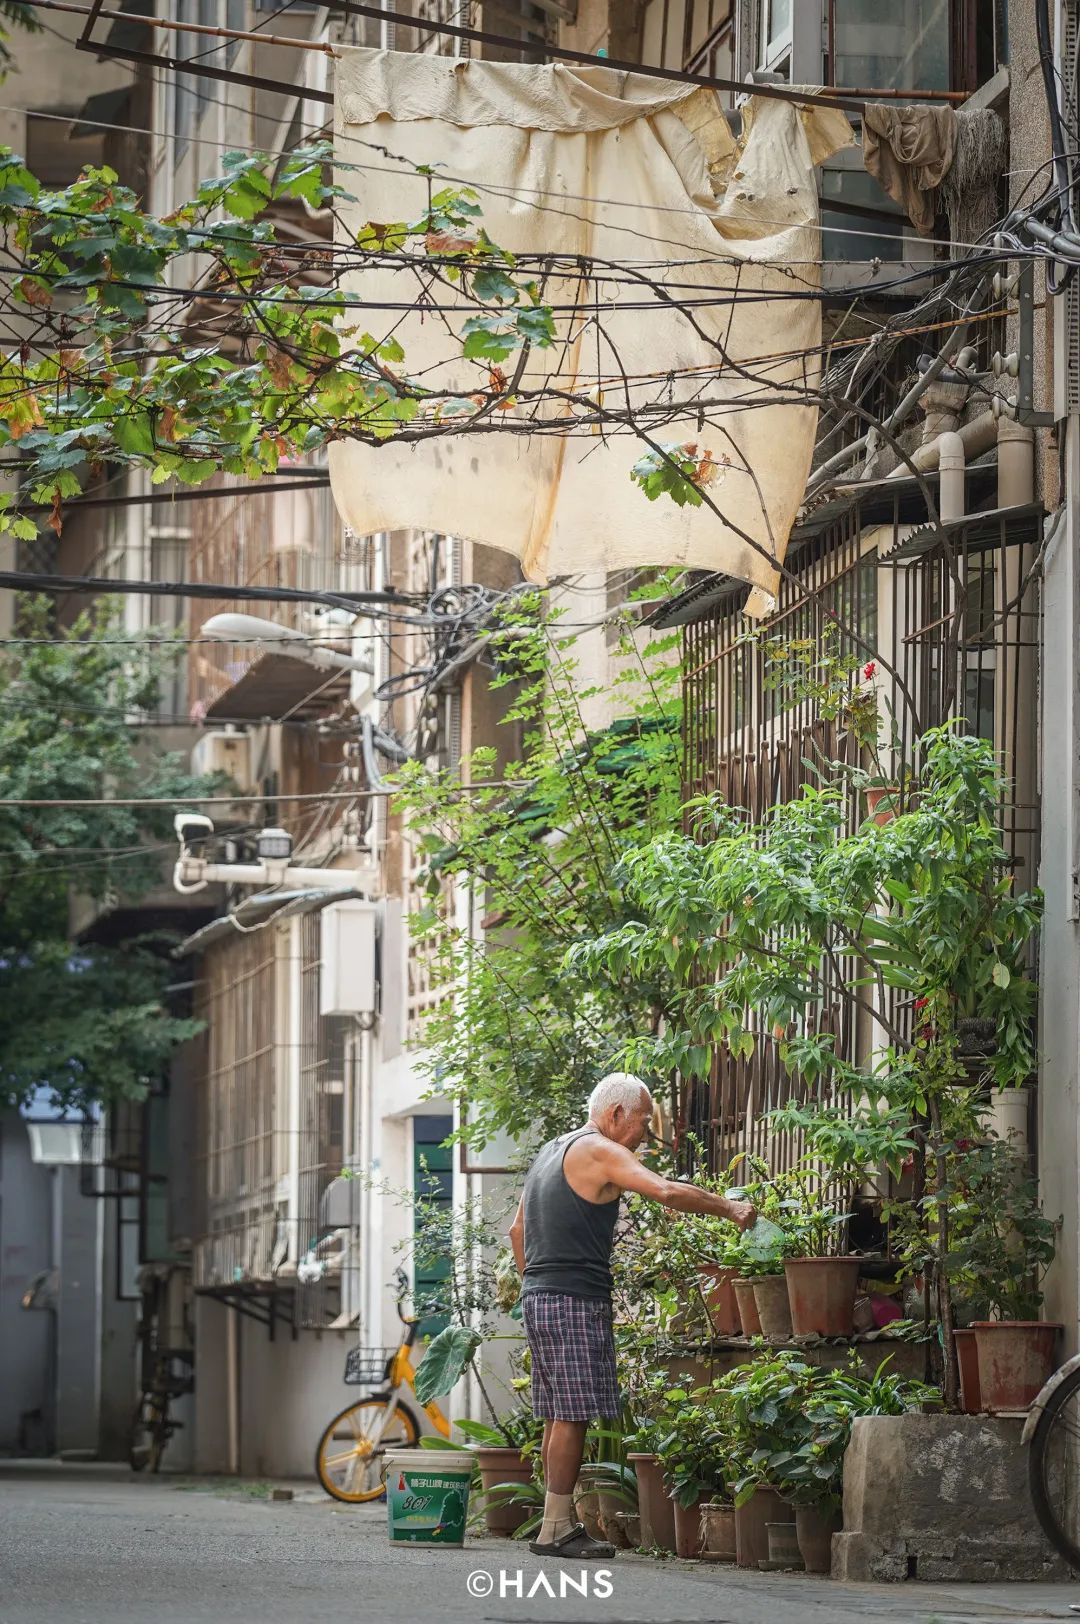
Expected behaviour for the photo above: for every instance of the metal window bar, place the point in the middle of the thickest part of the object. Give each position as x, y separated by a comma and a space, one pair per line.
744, 744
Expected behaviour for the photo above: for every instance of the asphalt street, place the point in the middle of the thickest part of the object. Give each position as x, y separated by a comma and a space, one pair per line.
95, 1545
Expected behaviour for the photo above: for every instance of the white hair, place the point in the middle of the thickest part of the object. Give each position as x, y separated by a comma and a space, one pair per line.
617, 1088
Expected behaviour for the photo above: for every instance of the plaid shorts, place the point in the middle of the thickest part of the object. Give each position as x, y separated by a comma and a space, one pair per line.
573, 1356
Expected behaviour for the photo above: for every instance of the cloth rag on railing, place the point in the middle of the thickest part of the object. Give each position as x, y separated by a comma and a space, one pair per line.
674, 249
909, 151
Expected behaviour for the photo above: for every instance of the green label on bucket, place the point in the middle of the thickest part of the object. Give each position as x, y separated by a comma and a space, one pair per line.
427, 1507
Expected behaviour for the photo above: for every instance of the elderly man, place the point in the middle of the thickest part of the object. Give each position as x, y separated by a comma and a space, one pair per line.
562, 1236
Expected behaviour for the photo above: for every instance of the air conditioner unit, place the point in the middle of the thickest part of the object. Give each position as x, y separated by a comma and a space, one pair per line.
347, 953
223, 750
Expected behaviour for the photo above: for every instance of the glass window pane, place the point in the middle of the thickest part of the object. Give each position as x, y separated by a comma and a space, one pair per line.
901, 46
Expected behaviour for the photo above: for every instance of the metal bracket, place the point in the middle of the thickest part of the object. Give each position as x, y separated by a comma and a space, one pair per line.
1025, 394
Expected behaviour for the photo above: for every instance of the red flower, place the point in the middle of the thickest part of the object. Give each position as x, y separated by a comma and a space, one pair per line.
869, 669
921, 1003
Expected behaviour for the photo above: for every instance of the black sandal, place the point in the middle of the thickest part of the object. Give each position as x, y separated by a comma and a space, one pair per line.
575, 1543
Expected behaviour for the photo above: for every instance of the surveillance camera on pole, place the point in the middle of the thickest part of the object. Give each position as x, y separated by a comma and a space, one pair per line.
194, 871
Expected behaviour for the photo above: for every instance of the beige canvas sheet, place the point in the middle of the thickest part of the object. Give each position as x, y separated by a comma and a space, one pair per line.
646, 176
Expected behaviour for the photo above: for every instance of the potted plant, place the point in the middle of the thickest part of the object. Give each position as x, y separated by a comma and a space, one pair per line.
649, 1426
788, 1430
821, 1280
1002, 1247
505, 1455
692, 1457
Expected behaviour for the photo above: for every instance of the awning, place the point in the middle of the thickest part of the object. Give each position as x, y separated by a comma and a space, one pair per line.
646, 179
275, 687
106, 107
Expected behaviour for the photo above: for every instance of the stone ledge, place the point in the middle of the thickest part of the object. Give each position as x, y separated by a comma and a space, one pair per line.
942, 1498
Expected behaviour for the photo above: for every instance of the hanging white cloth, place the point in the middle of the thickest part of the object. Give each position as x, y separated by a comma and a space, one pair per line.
645, 179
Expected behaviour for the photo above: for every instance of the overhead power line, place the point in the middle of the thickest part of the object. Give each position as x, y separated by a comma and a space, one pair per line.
92, 585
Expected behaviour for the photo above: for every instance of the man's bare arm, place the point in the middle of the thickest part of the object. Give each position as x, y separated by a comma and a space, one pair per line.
516, 1234
622, 1168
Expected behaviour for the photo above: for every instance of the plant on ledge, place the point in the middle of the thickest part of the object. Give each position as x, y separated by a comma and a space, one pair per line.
760, 923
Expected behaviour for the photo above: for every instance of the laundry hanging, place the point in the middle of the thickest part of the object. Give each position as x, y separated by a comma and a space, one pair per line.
648, 179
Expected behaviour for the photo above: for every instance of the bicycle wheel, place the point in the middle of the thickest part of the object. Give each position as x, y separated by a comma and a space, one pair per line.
348, 1461
1054, 1469
149, 1430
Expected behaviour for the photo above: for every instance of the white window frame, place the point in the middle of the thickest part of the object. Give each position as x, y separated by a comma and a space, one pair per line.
773, 51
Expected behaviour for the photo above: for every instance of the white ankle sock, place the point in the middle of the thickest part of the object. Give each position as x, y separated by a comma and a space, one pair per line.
558, 1517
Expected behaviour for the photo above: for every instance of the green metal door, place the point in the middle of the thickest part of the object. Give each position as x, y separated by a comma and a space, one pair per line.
433, 1182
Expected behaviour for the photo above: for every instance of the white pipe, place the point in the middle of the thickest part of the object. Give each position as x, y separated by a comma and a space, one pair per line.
1016, 463
977, 436
952, 463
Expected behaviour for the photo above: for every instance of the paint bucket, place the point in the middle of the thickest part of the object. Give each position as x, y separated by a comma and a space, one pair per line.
427, 1495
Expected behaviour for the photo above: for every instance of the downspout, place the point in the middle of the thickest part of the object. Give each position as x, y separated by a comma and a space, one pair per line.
976, 437
1016, 463
952, 463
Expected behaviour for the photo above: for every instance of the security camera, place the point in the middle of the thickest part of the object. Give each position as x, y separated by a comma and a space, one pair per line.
193, 830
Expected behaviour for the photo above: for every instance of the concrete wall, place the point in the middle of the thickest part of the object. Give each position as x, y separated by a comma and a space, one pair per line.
77, 1224
1059, 1034
26, 1338
286, 1391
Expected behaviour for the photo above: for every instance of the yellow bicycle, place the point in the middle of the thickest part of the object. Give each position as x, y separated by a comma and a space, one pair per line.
350, 1459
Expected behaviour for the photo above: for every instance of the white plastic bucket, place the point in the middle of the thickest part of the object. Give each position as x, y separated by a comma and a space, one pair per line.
427, 1495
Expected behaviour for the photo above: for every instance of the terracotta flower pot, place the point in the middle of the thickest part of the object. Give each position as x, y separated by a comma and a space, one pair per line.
747, 1306
688, 1529
1016, 1359
716, 1287
718, 1533
815, 1527
783, 1546
751, 1526
630, 1523
881, 802
656, 1510
587, 1508
967, 1359
774, 1310
821, 1295
503, 1466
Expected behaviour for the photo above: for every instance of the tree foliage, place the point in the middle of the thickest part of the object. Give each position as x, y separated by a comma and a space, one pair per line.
86, 1021
520, 1039
258, 356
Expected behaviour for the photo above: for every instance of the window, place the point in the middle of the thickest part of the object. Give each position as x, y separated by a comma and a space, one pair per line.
776, 36
901, 46
694, 34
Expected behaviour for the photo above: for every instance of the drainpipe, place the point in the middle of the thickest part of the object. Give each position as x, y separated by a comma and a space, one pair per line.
952, 462
1016, 463
977, 436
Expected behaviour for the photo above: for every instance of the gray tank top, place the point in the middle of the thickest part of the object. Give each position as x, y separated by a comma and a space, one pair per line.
567, 1239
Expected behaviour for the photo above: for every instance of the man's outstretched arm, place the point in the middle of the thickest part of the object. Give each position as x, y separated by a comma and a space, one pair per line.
621, 1167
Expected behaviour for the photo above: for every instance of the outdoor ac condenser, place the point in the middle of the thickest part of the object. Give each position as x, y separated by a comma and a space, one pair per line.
347, 952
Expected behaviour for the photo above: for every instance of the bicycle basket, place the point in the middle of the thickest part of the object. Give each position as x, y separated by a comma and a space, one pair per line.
367, 1366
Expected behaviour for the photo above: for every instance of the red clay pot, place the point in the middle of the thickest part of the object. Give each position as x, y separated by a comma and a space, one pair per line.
881, 802
751, 1526
688, 1540
716, 1288
815, 1529
774, 1310
655, 1508
821, 1295
1016, 1359
718, 1533
503, 1466
747, 1306
967, 1359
